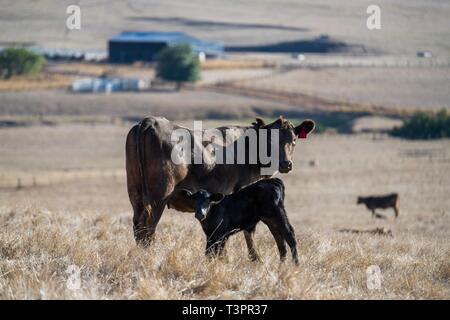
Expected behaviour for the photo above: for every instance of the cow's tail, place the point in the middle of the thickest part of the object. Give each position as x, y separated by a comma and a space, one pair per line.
140, 143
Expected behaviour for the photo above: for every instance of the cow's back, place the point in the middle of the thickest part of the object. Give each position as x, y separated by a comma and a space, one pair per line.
382, 202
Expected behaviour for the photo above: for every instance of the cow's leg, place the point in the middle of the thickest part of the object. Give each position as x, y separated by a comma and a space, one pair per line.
252, 253
373, 213
396, 211
145, 221
278, 236
152, 219
139, 223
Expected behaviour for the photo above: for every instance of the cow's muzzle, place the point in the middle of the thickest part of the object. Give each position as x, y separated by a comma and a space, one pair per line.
285, 166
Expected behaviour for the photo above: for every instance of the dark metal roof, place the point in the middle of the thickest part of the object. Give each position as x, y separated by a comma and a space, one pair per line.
169, 38
151, 36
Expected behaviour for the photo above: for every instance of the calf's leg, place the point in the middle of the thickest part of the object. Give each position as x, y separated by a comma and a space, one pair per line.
279, 239
215, 247
252, 253
287, 230
289, 236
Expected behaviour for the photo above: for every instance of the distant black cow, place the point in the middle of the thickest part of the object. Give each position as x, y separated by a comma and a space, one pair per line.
221, 216
380, 202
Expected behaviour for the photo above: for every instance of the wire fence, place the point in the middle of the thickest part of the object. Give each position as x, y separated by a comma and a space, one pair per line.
355, 62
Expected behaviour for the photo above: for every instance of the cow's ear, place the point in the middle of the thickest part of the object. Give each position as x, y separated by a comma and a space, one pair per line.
187, 194
280, 120
216, 197
259, 123
278, 123
305, 128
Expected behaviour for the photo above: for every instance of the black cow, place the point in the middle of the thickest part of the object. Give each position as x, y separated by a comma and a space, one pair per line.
380, 202
221, 216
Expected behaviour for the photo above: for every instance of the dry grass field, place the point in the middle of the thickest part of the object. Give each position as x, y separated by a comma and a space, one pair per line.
87, 222
407, 88
38, 82
185, 104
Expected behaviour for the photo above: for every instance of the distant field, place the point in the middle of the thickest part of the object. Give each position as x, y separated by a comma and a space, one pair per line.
408, 88
353, 88
407, 25
87, 222
186, 104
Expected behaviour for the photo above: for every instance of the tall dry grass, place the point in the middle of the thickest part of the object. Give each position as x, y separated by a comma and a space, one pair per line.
37, 246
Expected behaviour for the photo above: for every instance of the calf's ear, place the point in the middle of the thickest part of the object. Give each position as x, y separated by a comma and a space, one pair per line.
259, 123
216, 197
304, 128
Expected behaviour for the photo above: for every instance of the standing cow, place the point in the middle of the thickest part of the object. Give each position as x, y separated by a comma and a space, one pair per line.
380, 202
154, 181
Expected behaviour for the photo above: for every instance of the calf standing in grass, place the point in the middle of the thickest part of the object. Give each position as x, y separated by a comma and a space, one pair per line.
380, 202
221, 216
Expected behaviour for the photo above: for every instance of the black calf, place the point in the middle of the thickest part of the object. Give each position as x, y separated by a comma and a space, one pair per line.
221, 216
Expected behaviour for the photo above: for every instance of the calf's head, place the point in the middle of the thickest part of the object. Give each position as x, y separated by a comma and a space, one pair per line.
287, 137
203, 202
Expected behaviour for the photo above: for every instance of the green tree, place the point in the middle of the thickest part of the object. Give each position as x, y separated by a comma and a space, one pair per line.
179, 64
423, 125
19, 61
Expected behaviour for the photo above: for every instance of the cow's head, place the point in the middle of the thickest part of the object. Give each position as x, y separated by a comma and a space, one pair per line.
288, 135
203, 201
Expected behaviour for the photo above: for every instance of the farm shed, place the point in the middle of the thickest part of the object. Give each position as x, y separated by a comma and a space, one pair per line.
131, 46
